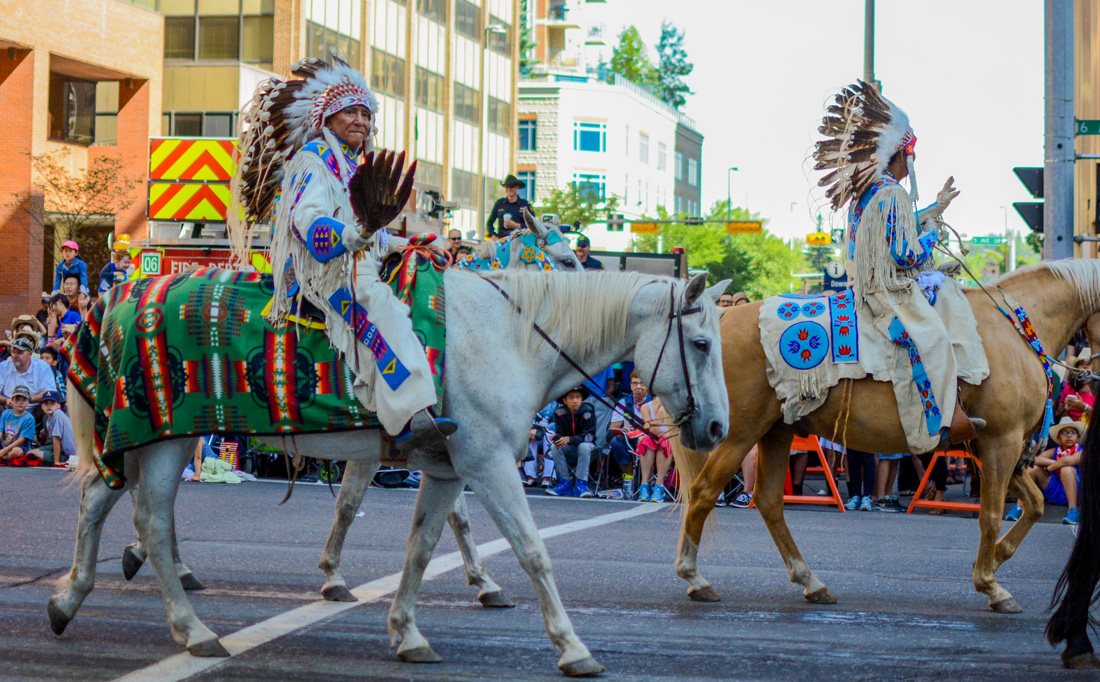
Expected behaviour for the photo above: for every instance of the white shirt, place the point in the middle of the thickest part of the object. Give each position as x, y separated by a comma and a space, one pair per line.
37, 378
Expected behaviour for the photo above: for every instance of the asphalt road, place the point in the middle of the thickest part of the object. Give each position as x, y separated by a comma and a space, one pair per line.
907, 608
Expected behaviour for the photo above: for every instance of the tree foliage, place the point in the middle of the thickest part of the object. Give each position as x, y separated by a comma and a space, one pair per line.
578, 203
672, 66
630, 58
759, 264
527, 44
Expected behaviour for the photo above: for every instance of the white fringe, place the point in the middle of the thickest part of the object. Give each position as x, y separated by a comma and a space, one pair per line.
875, 267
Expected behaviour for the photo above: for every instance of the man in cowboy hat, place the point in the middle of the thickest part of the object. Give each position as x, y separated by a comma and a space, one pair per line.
1056, 471
507, 212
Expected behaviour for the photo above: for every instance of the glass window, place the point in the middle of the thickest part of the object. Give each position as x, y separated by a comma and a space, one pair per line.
259, 39
217, 125
464, 189
500, 42
429, 173
500, 116
188, 125
527, 192
222, 7
693, 171
589, 137
219, 38
591, 186
72, 110
179, 38
643, 148
429, 89
468, 19
387, 73
528, 135
436, 10
627, 148
467, 104
679, 160
662, 156
177, 7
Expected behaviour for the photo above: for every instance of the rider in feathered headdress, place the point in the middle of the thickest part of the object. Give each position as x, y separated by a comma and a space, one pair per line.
869, 148
298, 166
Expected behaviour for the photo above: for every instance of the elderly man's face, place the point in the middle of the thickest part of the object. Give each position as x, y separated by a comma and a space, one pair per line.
20, 358
352, 125
725, 300
455, 239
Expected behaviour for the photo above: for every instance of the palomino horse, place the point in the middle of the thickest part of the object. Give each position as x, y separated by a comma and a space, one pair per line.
1058, 297
669, 328
357, 478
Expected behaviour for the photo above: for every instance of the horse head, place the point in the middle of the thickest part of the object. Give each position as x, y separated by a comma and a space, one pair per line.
554, 246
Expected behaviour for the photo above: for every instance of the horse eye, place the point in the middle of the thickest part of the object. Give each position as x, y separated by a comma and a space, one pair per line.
569, 262
702, 345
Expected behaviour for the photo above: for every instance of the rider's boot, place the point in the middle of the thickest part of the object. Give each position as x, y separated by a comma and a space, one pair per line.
962, 429
424, 429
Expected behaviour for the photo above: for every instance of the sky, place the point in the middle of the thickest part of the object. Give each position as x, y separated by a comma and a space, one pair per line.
970, 79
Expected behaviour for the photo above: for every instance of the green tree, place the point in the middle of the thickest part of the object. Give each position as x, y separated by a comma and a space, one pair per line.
672, 66
527, 60
578, 203
630, 58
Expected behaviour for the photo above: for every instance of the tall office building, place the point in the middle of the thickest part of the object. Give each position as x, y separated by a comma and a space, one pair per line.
444, 72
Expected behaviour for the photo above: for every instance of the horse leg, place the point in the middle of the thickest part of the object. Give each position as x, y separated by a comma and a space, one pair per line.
488, 592
995, 477
96, 501
161, 467
720, 467
353, 487
1031, 499
434, 501
134, 556
771, 467
499, 489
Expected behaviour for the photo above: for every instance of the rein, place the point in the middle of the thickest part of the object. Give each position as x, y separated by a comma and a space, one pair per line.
681, 417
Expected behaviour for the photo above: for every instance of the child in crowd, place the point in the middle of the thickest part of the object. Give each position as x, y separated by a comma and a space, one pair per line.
1057, 471
861, 480
538, 449
71, 263
16, 427
117, 271
61, 449
574, 439
51, 358
654, 451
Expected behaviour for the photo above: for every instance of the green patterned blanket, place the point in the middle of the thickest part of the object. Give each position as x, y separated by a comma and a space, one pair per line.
192, 354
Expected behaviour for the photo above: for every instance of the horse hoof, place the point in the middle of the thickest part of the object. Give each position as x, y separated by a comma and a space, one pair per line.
495, 600
707, 593
1009, 605
191, 583
211, 648
131, 564
821, 596
586, 667
421, 654
58, 620
337, 593
1085, 661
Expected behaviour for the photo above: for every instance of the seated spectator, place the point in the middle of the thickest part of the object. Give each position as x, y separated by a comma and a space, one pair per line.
861, 480
621, 444
67, 319
51, 358
886, 472
740, 298
748, 472
60, 449
574, 439
725, 300
1057, 471
71, 263
1078, 398
16, 426
539, 449
116, 271
43, 313
23, 369
454, 242
652, 452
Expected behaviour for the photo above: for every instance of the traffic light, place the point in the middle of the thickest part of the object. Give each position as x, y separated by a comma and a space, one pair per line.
1031, 211
615, 222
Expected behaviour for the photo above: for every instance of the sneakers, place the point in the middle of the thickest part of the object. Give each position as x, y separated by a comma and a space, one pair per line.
853, 503
644, 492
580, 489
865, 503
721, 501
1016, 512
1071, 518
742, 501
545, 482
659, 494
888, 504
563, 488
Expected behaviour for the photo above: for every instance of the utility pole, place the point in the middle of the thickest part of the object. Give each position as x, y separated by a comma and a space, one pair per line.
1059, 152
869, 43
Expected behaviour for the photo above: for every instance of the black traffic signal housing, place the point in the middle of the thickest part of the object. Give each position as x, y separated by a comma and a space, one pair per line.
1031, 211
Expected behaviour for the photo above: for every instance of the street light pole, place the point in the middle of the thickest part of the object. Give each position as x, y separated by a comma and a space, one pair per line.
730, 170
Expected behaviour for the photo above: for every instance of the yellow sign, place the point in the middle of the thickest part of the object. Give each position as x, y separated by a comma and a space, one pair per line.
819, 239
744, 227
179, 201
643, 228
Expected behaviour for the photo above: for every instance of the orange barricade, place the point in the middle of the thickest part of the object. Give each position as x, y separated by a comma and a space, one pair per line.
811, 444
956, 506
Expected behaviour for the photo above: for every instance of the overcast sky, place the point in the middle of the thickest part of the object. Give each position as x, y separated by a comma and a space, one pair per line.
969, 75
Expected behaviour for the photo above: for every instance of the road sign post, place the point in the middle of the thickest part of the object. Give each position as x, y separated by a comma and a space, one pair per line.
988, 240
1088, 127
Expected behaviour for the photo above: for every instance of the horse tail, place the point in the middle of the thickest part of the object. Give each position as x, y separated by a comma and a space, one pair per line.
1076, 588
688, 465
82, 416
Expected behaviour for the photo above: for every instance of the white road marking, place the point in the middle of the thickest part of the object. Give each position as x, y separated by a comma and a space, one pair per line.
183, 666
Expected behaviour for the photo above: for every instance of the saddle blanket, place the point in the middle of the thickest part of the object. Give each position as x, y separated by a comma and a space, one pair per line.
812, 342
192, 354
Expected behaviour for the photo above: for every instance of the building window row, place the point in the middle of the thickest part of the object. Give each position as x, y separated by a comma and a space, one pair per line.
429, 173
643, 148
467, 104
500, 116
429, 89
233, 38
528, 136
693, 171
500, 41
589, 137
387, 73
321, 41
72, 109
216, 7
468, 20
199, 123
662, 156
464, 188
528, 192
679, 161
591, 186
436, 10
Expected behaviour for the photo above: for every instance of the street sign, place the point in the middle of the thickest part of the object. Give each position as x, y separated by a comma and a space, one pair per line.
150, 262
991, 239
643, 228
836, 278
834, 269
819, 239
744, 227
1088, 127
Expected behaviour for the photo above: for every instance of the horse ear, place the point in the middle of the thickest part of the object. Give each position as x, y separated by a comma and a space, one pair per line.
695, 289
532, 224
718, 289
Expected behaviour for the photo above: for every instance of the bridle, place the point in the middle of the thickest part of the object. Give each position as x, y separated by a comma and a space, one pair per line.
678, 315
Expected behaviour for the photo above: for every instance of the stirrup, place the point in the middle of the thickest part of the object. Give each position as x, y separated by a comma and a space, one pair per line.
423, 429
962, 429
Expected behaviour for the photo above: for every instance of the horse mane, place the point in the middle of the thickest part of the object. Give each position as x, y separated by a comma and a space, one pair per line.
584, 311
1083, 274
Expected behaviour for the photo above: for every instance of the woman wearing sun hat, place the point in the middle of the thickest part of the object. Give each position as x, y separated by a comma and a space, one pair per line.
1057, 471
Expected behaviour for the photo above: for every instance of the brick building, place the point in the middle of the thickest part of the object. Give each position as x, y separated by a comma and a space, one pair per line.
81, 76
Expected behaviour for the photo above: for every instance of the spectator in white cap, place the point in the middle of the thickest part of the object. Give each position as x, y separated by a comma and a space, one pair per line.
70, 263
60, 447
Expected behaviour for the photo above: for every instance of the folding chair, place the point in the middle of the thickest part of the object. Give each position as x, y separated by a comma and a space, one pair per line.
603, 476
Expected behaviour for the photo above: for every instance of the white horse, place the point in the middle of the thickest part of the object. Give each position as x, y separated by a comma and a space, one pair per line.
548, 238
667, 327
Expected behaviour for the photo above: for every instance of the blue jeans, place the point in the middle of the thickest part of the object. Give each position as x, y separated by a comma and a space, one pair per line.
579, 455
620, 450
